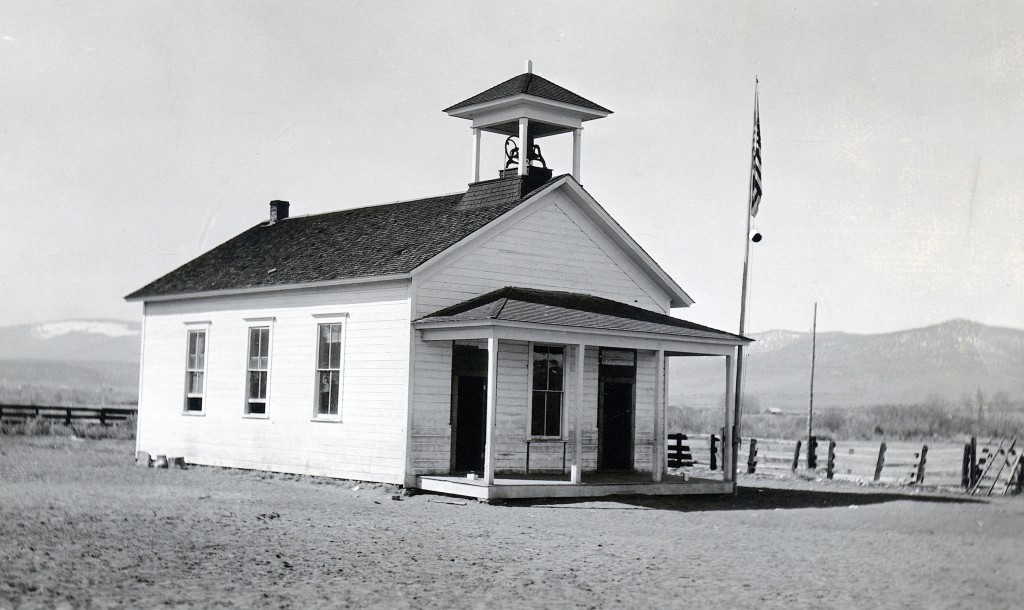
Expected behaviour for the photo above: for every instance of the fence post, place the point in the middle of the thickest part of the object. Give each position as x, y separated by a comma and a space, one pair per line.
1020, 477
67, 416
920, 465
812, 453
830, 465
103, 416
881, 461
714, 452
975, 470
965, 471
796, 456
752, 457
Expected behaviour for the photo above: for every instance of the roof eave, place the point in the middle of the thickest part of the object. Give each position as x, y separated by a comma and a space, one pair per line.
473, 110
484, 327
134, 297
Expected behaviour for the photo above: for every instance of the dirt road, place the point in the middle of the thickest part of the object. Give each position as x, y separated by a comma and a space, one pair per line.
81, 527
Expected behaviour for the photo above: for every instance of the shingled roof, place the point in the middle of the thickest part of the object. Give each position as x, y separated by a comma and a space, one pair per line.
529, 84
365, 242
528, 305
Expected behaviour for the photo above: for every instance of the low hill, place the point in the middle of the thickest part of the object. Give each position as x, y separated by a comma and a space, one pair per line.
946, 362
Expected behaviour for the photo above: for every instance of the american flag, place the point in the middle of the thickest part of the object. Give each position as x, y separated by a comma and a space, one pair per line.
755, 161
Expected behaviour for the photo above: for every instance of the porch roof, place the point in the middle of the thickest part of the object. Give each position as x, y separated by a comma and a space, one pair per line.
528, 308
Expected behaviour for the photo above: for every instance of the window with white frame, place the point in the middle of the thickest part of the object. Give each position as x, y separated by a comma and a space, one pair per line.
195, 371
546, 402
328, 368
257, 370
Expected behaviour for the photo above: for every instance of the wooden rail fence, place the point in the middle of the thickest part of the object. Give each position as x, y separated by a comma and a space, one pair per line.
103, 415
993, 466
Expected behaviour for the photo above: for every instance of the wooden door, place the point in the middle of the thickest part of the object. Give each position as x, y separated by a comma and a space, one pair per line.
616, 402
469, 408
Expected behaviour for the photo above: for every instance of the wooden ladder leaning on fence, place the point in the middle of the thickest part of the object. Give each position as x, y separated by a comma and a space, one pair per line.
1011, 457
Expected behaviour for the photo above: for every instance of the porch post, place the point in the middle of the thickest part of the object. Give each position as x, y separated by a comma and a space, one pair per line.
577, 425
492, 401
658, 463
728, 466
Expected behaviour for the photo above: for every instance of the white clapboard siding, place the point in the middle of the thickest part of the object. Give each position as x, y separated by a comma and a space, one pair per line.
369, 442
431, 443
643, 417
554, 248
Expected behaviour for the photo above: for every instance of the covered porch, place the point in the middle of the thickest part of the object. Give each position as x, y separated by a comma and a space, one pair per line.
572, 376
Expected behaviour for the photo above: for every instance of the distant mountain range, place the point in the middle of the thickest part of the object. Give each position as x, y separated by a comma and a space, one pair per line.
97, 360
945, 362
70, 362
75, 340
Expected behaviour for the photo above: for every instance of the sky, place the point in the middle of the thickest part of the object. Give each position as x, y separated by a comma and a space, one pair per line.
138, 135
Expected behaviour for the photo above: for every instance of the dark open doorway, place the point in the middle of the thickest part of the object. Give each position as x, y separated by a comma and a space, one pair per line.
616, 400
469, 408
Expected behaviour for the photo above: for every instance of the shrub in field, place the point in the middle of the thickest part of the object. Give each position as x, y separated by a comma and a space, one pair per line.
41, 426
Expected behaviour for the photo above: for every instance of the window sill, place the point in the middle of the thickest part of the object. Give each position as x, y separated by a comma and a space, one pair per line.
546, 439
326, 420
255, 416
194, 413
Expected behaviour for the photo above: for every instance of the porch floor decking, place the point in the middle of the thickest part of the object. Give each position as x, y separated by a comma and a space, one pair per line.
518, 486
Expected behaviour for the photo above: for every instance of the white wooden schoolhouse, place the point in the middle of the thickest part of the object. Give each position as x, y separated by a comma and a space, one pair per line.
509, 341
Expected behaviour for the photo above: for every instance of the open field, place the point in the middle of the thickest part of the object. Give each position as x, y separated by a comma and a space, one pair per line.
81, 527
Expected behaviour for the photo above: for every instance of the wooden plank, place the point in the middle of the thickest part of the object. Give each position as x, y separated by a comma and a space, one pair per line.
880, 462
1008, 453
988, 467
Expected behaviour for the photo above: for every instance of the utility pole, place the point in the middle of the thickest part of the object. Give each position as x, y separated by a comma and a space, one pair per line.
810, 405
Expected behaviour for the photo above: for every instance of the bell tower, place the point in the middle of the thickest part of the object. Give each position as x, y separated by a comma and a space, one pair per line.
525, 109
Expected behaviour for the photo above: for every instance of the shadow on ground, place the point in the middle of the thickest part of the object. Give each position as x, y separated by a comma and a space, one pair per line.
747, 498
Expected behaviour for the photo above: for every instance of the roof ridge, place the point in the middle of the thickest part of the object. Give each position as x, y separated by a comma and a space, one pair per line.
503, 301
526, 83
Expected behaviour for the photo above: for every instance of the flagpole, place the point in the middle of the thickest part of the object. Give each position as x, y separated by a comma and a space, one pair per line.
743, 312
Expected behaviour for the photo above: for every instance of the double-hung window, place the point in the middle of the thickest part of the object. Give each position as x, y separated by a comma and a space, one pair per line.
195, 371
548, 376
330, 344
257, 370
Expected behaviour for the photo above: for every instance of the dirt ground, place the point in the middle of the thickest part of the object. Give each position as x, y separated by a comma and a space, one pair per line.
81, 527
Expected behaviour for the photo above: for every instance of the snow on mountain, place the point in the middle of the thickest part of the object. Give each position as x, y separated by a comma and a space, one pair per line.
49, 330
72, 340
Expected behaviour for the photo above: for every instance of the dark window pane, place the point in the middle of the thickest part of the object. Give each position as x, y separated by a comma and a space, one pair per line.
555, 371
254, 343
553, 421
537, 414
195, 383
194, 404
335, 380
257, 408
335, 361
191, 350
324, 351
324, 392
200, 350
540, 372
264, 343
263, 385
254, 385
